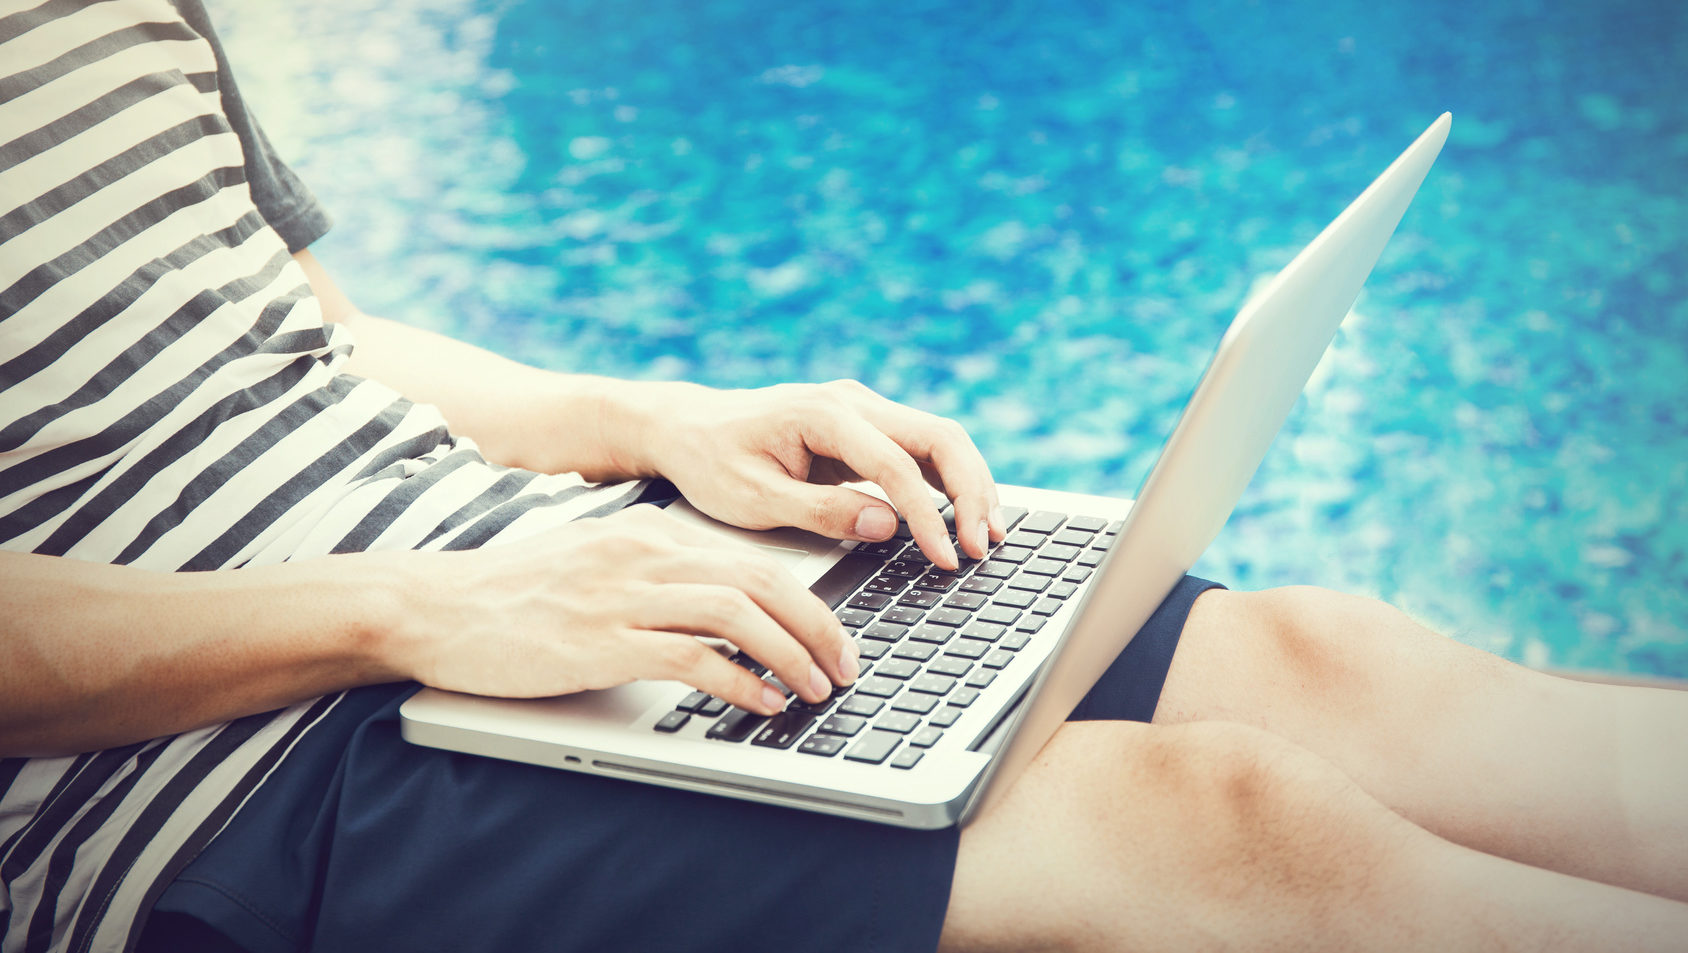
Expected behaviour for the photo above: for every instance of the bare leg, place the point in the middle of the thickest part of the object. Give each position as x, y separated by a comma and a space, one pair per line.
1128, 836
1589, 780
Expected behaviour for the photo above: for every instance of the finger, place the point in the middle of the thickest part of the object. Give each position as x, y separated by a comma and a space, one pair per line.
729, 613
844, 435
833, 511
680, 657
961, 470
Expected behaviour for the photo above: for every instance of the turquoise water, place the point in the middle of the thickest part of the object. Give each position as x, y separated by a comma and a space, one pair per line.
1038, 219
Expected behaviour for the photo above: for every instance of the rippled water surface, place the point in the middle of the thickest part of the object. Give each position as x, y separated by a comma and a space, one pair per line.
1038, 218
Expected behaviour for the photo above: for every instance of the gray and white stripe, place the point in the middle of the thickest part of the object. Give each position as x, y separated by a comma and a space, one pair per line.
170, 398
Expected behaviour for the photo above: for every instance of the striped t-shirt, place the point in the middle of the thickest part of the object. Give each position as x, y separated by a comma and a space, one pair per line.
171, 398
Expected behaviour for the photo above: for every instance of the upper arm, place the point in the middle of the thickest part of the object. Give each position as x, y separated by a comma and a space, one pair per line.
336, 307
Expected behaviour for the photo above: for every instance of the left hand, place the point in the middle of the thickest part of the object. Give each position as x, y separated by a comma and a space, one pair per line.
775, 456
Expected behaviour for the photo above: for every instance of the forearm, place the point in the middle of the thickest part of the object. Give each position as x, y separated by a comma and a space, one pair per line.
93, 656
521, 416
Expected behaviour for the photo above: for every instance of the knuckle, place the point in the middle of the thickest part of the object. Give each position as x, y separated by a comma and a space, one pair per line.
681, 656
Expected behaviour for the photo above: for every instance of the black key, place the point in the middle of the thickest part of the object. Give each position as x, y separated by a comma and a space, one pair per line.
919, 704
968, 648
925, 737
874, 747
824, 745
884, 549
1042, 521
995, 569
1072, 537
1011, 554
1012, 515
891, 585
1028, 582
937, 581
1043, 567
949, 617
843, 578
1062, 590
815, 708
908, 758
870, 600
854, 618
1031, 623
981, 584
1090, 557
749, 664
981, 679
962, 697
919, 651
903, 532
905, 568
902, 615
1089, 524
946, 716
879, 687
673, 721
1014, 598
1028, 540
714, 706
966, 601
845, 725
933, 684
1016, 642
950, 665
736, 725
1077, 573
1046, 606
997, 659
871, 649
885, 632
865, 706
920, 597
1060, 553
898, 668
900, 722
985, 631
784, 729
692, 702
935, 634
1001, 615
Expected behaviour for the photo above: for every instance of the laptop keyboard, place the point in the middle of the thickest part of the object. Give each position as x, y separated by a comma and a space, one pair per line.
931, 640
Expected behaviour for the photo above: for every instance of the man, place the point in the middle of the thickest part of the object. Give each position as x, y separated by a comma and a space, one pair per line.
208, 758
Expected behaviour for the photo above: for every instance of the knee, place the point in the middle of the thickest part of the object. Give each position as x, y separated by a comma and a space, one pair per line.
1250, 821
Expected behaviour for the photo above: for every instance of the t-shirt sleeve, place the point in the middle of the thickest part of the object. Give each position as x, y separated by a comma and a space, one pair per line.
284, 200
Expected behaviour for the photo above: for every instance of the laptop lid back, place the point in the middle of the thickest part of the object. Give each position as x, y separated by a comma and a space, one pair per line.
1261, 366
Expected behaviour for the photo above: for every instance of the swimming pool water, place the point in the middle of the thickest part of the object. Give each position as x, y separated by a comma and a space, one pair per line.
1038, 219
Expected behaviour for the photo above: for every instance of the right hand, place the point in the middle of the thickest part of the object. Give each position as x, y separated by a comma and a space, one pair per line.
603, 602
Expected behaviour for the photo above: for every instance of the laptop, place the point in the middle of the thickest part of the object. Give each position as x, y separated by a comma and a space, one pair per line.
967, 674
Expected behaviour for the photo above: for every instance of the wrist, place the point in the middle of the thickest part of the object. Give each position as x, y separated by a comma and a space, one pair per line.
630, 420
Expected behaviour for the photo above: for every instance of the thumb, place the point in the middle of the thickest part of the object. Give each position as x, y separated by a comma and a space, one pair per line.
838, 512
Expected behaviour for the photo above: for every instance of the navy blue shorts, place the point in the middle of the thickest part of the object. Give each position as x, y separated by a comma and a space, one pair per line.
360, 841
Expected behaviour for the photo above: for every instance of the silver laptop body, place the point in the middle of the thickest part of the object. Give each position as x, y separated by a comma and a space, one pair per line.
1262, 363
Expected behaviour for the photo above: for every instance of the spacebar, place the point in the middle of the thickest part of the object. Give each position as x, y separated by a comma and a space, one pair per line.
844, 577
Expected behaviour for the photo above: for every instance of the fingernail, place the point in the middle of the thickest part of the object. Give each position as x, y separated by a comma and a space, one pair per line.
818, 682
997, 519
849, 661
949, 550
984, 537
876, 523
772, 699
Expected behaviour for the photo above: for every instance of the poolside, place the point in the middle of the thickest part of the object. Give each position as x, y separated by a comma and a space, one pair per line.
1040, 222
